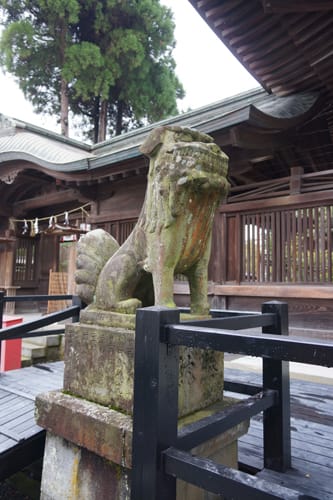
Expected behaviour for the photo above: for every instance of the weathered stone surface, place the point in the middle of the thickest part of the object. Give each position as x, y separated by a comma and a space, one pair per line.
200, 379
89, 448
90, 425
99, 366
222, 449
72, 472
105, 432
186, 182
93, 250
92, 316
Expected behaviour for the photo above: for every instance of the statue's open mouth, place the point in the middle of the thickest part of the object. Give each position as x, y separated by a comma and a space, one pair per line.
201, 157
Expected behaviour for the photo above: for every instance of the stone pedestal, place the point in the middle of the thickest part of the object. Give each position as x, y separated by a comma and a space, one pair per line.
88, 449
89, 424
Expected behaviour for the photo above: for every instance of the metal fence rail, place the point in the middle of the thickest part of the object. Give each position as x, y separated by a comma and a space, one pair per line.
29, 329
160, 453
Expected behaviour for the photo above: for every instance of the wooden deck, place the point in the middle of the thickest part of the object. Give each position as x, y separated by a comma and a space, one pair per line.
22, 441
311, 438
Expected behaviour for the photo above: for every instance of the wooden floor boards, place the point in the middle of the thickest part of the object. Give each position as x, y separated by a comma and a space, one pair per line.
311, 438
21, 439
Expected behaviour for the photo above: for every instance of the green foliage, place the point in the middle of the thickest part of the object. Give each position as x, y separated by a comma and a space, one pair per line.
112, 52
33, 47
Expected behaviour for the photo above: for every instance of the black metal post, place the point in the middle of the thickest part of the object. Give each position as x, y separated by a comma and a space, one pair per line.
277, 441
76, 301
2, 294
155, 413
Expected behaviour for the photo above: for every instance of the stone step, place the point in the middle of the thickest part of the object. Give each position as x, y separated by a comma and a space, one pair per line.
25, 361
45, 341
33, 351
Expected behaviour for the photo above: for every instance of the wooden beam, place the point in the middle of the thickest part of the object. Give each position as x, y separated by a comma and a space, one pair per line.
114, 215
296, 179
182, 288
291, 201
301, 6
222, 137
7, 239
240, 160
277, 291
269, 291
48, 199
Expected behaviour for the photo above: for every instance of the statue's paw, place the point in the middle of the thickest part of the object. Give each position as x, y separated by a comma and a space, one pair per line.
128, 306
84, 277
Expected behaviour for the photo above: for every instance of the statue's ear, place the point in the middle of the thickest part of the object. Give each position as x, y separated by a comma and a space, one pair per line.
151, 145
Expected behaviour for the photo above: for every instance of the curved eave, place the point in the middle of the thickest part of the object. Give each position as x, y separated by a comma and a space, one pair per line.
116, 157
47, 151
194, 119
281, 113
17, 156
255, 108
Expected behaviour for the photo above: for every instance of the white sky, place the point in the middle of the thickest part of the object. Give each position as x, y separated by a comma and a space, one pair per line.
206, 68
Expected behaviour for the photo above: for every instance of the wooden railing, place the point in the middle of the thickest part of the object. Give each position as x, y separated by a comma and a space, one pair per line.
161, 453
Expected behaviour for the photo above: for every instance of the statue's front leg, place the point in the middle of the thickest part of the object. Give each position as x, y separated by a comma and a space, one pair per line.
163, 285
163, 250
198, 281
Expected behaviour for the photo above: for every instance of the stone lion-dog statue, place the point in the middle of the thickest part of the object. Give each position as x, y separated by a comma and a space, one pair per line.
186, 183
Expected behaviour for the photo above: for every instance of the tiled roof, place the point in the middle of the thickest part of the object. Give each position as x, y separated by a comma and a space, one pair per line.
21, 141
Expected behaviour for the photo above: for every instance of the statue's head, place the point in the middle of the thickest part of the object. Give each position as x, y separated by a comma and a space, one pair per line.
186, 156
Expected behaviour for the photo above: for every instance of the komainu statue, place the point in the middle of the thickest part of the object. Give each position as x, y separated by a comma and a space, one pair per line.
186, 182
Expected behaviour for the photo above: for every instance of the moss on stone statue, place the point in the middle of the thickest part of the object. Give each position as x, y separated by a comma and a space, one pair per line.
186, 182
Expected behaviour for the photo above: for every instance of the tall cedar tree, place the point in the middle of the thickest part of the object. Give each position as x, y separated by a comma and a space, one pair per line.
109, 61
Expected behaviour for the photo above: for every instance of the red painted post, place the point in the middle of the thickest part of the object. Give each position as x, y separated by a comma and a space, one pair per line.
11, 350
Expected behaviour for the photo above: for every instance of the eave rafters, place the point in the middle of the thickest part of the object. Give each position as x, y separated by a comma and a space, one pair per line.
285, 44
287, 6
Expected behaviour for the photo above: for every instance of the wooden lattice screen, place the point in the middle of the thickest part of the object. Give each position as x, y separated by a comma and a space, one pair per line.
293, 246
58, 285
25, 261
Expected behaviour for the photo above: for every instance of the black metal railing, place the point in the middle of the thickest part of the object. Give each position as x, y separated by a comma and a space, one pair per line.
31, 328
161, 454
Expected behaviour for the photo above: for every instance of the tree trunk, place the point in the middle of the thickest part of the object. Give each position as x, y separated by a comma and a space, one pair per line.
63, 84
119, 120
103, 114
64, 108
96, 118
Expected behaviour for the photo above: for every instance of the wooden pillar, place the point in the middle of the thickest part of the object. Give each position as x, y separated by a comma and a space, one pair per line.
7, 251
217, 256
295, 185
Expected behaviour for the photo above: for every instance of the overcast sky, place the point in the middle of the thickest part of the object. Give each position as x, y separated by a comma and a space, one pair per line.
205, 67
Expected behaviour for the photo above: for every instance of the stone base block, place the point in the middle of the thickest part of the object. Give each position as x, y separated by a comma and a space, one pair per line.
222, 449
103, 431
89, 449
72, 472
99, 366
